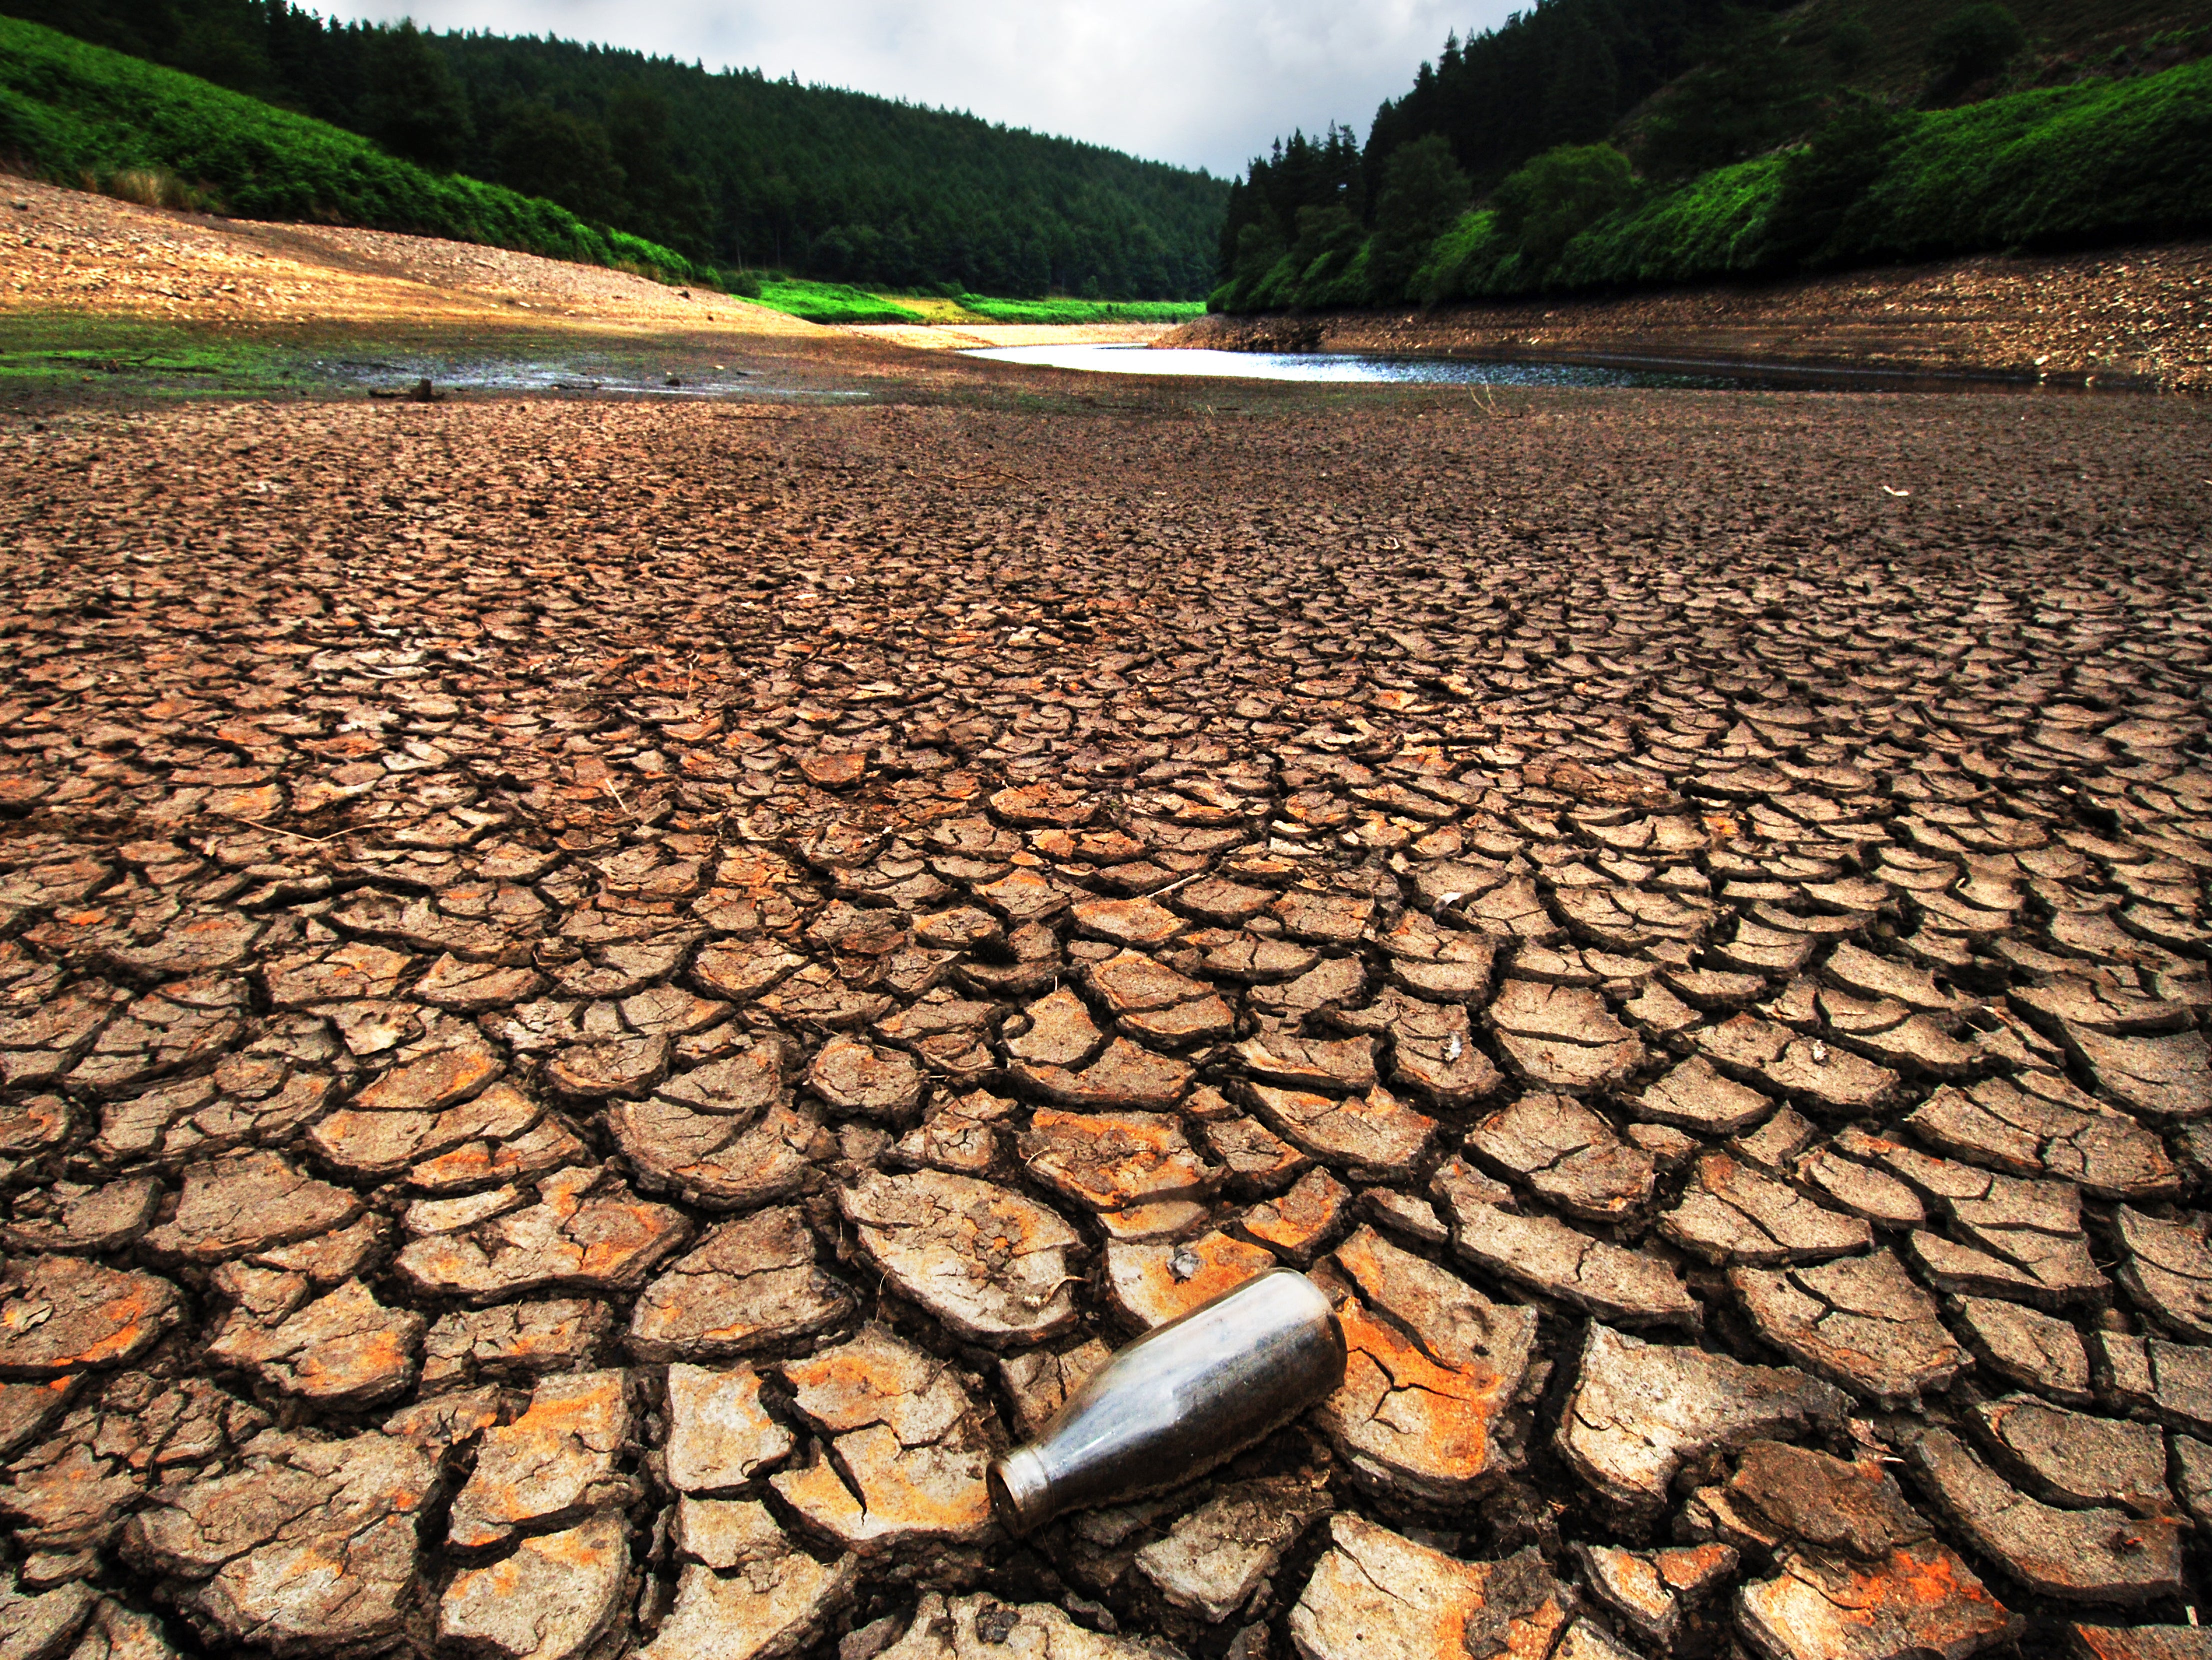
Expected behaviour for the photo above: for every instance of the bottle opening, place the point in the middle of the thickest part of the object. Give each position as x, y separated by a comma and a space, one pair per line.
1019, 1492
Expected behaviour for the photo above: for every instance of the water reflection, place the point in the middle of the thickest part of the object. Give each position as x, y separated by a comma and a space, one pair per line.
1353, 367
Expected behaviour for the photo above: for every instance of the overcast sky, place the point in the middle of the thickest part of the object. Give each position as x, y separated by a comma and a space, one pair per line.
1201, 82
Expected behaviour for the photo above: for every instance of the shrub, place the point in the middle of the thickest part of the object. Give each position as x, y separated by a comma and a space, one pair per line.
1822, 182
1548, 202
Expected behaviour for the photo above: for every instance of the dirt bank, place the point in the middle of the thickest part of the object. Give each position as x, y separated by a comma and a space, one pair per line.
2142, 315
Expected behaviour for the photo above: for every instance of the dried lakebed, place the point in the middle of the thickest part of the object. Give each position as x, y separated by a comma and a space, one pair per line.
599, 1001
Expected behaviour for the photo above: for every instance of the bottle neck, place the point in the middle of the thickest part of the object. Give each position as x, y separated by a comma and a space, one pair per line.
1021, 1491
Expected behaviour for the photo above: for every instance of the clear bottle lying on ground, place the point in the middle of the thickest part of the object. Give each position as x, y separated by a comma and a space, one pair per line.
1178, 1401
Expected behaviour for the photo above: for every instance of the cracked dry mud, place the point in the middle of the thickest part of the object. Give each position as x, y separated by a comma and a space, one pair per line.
598, 1003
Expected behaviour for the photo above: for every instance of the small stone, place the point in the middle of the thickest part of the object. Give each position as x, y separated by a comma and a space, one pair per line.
558, 1459
749, 1284
1150, 1285
718, 1436
1638, 1411
553, 1599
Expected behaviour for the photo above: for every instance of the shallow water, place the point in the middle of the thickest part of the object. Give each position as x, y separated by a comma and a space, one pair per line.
601, 377
1355, 369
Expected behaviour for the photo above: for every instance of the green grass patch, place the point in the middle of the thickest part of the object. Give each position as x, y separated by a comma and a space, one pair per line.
830, 302
1082, 311
88, 118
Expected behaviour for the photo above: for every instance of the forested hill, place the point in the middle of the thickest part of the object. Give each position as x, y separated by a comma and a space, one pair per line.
1577, 116
729, 167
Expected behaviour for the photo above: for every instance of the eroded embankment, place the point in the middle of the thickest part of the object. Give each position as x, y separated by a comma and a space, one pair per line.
2137, 314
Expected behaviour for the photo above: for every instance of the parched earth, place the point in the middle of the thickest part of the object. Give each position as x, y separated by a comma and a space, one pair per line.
602, 1001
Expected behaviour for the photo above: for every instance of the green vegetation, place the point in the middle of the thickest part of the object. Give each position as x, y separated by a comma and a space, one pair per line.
831, 302
838, 302
730, 169
82, 115
1082, 311
1808, 140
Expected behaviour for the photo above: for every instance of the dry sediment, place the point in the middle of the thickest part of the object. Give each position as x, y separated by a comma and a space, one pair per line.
600, 1001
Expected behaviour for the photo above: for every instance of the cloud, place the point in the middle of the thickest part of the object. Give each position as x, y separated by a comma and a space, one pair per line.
1202, 85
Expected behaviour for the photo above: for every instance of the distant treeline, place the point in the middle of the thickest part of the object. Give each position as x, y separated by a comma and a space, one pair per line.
728, 168
1599, 144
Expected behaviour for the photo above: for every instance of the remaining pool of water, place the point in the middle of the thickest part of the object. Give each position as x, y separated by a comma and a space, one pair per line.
1356, 368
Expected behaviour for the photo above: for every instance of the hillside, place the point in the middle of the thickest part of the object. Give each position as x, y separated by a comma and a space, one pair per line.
81, 114
731, 168
1590, 143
